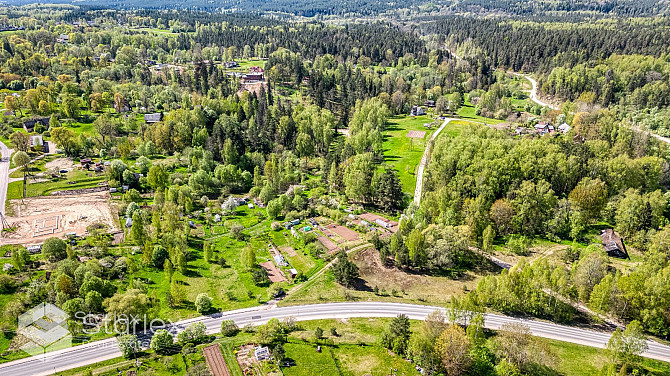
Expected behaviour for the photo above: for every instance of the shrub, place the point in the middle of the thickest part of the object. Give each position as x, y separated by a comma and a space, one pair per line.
229, 328
203, 303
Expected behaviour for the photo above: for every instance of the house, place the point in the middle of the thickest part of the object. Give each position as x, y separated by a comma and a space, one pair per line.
29, 125
124, 106
129, 222
255, 69
33, 249
293, 273
292, 223
262, 353
153, 118
231, 64
564, 128
544, 127
417, 111
63, 38
252, 77
429, 103
613, 244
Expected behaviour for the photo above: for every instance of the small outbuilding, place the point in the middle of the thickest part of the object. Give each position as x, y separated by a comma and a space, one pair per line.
613, 244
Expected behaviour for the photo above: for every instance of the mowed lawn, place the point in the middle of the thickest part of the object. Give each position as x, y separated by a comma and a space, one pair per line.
404, 153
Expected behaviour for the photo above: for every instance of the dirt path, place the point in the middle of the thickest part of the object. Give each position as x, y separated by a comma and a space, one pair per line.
320, 272
424, 161
4, 174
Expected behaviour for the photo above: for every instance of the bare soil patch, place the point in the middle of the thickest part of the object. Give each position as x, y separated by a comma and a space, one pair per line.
288, 250
344, 233
39, 218
330, 246
274, 274
60, 164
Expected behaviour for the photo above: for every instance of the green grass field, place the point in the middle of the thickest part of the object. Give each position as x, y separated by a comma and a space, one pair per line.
467, 112
404, 153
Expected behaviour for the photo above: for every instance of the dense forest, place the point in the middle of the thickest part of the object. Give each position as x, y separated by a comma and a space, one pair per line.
530, 46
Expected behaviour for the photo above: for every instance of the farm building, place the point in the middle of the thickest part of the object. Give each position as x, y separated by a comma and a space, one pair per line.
613, 244
382, 223
29, 125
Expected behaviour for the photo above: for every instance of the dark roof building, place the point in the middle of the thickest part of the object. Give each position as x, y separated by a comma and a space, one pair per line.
613, 244
29, 125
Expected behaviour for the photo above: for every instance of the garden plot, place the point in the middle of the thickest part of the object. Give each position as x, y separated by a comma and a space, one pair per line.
416, 134
39, 218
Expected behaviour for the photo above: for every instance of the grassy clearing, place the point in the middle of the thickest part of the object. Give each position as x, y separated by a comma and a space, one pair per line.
392, 284
404, 153
76, 179
467, 111
245, 64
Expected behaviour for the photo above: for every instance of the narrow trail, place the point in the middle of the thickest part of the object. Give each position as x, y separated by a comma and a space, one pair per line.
424, 160
4, 174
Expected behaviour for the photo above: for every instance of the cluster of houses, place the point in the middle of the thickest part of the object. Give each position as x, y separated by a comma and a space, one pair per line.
542, 128
11, 28
545, 127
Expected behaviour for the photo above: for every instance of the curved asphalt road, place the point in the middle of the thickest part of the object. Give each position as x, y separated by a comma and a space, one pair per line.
98, 351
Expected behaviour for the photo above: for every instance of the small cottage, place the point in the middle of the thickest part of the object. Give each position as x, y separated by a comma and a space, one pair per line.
613, 244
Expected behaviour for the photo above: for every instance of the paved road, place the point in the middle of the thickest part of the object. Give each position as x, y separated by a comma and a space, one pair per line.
4, 174
424, 159
107, 349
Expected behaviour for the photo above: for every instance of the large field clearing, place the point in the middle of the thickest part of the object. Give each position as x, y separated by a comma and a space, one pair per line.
402, 152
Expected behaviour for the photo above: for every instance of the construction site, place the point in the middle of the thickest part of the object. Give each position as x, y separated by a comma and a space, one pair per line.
42, 217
